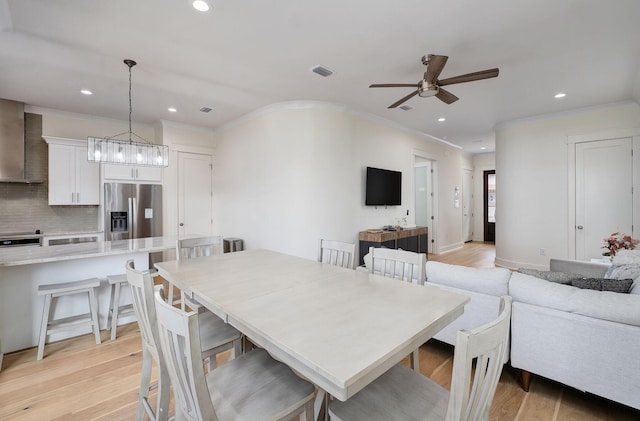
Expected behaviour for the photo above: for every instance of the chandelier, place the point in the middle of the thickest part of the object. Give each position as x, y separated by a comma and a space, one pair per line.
115, 151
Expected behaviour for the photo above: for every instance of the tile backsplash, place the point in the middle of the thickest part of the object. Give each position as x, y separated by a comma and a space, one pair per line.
25, 207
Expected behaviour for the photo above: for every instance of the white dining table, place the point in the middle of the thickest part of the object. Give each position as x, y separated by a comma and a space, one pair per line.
339, 328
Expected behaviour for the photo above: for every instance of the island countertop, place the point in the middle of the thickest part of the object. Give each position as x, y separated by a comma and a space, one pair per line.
26, 255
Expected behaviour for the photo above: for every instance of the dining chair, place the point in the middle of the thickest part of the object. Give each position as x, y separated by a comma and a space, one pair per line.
398, 264
216, 337
253, 386
191, 248
403, 265
337, 253
402, 394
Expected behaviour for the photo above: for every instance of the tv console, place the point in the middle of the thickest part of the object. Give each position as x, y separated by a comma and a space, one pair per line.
410, 239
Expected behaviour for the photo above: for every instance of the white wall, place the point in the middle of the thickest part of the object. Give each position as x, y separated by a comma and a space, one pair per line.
532, 181
481, 163
294, 173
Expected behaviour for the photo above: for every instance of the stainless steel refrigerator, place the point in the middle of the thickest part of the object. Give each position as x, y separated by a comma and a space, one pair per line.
133, 211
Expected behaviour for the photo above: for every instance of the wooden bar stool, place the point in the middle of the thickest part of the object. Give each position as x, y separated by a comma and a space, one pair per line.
90, 319
117, 311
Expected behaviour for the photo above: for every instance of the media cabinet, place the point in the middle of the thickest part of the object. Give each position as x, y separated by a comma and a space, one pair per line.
410, 239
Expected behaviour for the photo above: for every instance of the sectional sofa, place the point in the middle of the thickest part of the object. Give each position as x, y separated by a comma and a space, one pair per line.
586, 339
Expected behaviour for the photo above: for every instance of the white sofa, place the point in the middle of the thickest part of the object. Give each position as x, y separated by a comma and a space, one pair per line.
586, 339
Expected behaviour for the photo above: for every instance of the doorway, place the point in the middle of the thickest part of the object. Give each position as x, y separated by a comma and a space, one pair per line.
424, 176
489, 187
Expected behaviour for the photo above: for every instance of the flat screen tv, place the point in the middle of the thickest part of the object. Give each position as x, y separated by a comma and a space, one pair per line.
384, 187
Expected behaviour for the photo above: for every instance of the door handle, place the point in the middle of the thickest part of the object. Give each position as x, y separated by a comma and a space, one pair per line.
580, 227
182, 224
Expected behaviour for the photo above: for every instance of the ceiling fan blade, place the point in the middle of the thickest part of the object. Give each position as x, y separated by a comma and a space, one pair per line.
436, 64
446, 96
406, 98
394, 85
469, 77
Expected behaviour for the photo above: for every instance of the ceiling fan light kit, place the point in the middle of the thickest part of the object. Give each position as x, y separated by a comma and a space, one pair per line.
430, 85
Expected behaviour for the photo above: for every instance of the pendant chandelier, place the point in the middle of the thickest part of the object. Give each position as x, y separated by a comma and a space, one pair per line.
115, 151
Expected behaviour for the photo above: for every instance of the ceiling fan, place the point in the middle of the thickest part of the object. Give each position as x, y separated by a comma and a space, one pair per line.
431, 86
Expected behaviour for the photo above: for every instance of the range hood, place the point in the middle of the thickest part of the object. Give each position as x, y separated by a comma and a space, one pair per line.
12, 151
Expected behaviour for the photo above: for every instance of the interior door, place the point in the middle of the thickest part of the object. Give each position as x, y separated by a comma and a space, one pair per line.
423, 172
195, 194
604, 193
467, 205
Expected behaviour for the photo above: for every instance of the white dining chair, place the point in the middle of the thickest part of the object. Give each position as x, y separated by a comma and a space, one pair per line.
216, 337
401, 394
253, 386
398, 264
191, 248
403, 265
337, 253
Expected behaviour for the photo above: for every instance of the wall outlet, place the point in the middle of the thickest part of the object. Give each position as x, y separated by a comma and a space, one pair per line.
543, 252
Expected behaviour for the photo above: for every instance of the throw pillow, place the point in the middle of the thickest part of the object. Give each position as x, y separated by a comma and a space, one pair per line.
558, 277
613, 285
623, 272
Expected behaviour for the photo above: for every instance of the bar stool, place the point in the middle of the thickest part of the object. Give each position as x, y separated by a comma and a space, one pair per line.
50, 326
117, 311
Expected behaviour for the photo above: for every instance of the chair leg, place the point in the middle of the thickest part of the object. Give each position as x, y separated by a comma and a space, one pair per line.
145, 381
237, 348
162, 413
307, 415
415, 360
44, 326
114, 310
93, 304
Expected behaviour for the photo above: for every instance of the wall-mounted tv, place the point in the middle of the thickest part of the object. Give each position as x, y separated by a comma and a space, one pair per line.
384, 187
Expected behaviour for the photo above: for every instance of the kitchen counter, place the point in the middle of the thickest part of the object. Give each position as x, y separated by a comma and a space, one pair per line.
26, 255
24, 268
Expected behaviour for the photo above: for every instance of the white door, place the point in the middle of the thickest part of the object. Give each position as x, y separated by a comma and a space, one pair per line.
604, 193
424, 197
467, 205
195, 191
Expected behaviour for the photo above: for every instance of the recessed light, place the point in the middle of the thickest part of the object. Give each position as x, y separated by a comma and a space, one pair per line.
441, 119
483, 148
560, 95
201, 5
172, 110
86, 92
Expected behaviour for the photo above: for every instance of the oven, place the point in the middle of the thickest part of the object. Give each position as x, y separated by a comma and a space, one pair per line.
15, 239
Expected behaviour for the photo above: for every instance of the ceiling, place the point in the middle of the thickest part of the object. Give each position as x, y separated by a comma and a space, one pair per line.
244, 55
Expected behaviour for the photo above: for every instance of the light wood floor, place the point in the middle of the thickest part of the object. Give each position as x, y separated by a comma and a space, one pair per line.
79, 380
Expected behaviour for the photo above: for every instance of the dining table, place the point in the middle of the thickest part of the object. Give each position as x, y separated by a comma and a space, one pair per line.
339, 328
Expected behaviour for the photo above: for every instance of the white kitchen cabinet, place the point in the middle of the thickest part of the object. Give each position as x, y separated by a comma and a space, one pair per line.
73, 180
132, 173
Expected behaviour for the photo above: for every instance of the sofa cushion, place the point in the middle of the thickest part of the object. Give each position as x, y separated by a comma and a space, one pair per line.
623, 272
559, 277
626, 257
621, 308
491, 281
614, 285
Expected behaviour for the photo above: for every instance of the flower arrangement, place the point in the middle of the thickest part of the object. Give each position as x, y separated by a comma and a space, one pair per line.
615, 242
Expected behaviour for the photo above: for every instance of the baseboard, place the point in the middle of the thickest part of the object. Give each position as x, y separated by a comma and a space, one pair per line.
450, 248
509, 264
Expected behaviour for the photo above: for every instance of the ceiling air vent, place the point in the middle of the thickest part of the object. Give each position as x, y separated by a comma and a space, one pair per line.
206, 109
406, 107
322, 71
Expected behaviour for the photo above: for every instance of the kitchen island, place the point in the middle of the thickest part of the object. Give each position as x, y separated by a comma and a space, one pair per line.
23, 269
